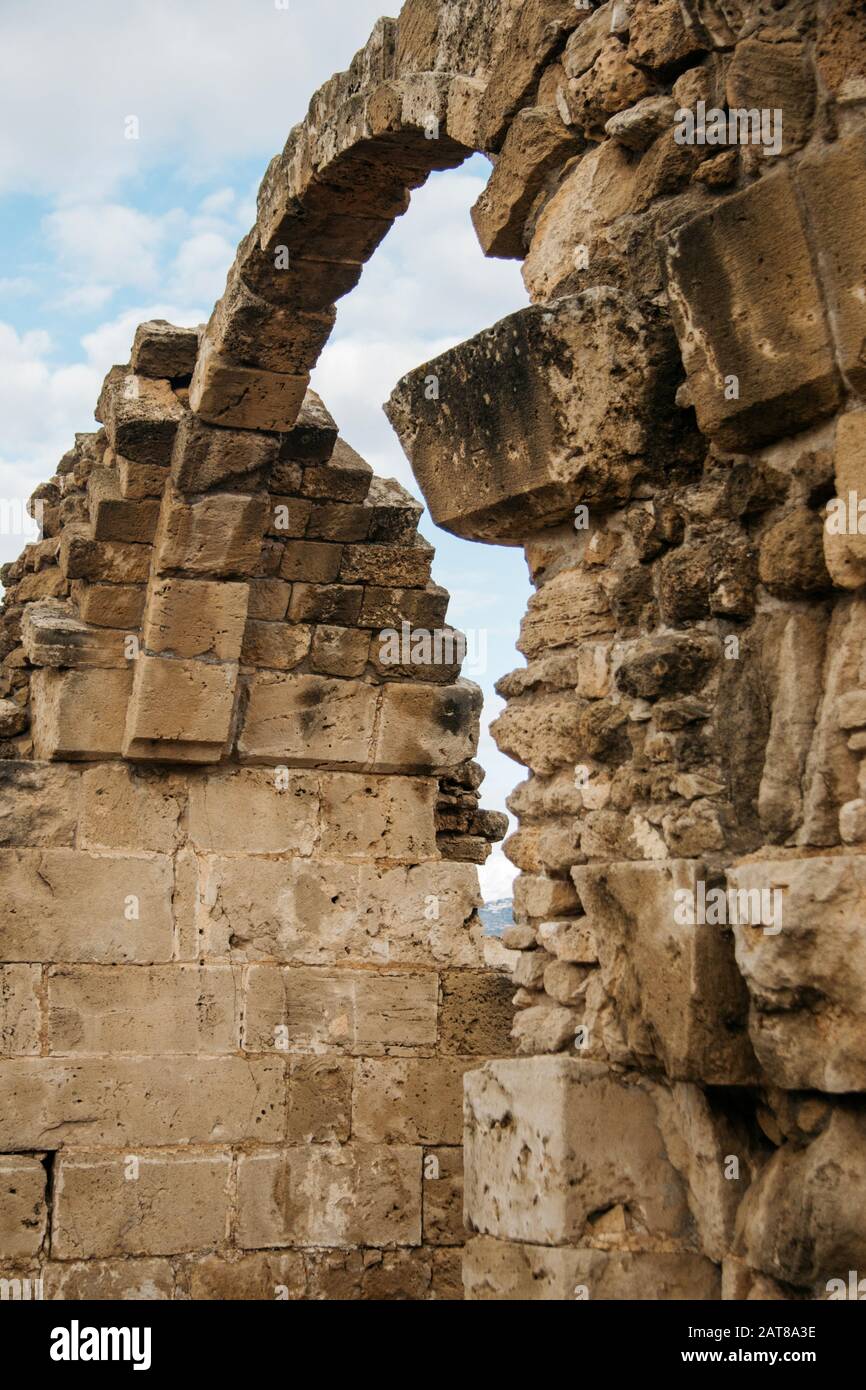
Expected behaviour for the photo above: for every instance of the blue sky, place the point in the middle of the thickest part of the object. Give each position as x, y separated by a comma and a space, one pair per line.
98, 232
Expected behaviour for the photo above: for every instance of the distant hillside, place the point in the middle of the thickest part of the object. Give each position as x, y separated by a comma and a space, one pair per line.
496, 916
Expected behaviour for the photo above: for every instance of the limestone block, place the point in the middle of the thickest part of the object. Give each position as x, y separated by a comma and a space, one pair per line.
395, 513
659, 38
537, 144
498, 464
126, 1102
833, 185
79, 714
180, 709
312, 561
675, 988
162, 350
807, 981
112, 562
68, 905
378, 817
252, 1277
140, 416
254, 811
783, 362
115, 517
840, 50
505, 1271
552, 1142
176, 1202
475, 1012
343, 477
390, 607
247, 398
126, 808
320, 1099
339, 651
536, 31
191, 618
313, 437
52, 636
203, 456
138, 480
330, 913
388, 564
269, 599
339, 521
356, 1011
409, 1101
163, 1009
844, 546
777, 77
110, 605
443, 1202
321, 1195
802, 1221
308, 721
276, 646
254, 332
332, 604
215, 535
23, 1213
20, 1010
110, 1280
427, 728
38, 803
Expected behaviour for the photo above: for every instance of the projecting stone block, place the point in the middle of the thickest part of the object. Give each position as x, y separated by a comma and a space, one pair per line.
124, 1102
550, 1143
115, 517
220, 534
308, 721
67, 905
807, 982
322, 1195
110, 605
676, 991
833, 184
329, 913
166, 1203
79, 714
112, 562
505, 1271
248, 398
765, 368
552, 406
163, 1009
537, 143
204, 456
23, 1213
162, 350
53, 636
190, 618
180, 710
357, 1011
803, 1220
140, 415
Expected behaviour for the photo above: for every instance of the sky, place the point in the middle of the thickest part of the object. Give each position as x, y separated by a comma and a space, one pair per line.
100, 231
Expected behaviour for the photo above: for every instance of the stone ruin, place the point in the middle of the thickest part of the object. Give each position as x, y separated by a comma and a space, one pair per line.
244, 983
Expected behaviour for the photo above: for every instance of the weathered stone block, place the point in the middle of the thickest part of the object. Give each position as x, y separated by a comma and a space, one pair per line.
378, 817
320, 1100
496, 465
160, 349
844, 546
247, 398
308, 721
180, 709
339, 651
807, 980
760, 371
23, 1212
409, 1101
675, 987
79, 714
67, 905
126, 1102
358, 1011
190, 618
552, 1142
52, 636
253, 811
160, 1010
38, 803
507, 1271
140, 416
219, 534
262, 1278
325, 1196
20, 1010
125, 808
203, 456
175, 1202
111, 605
537, 143
427, 728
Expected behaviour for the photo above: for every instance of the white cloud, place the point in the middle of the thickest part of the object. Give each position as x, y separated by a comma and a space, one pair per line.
106, 243
497, 877
209, 80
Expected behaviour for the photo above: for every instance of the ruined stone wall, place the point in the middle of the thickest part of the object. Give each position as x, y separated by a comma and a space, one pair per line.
668, 432
242, 975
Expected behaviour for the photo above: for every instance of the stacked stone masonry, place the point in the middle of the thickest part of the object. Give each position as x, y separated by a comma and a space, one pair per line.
243, 984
